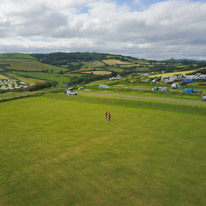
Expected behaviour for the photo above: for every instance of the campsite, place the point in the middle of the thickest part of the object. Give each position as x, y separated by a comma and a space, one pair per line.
103, 103
58, 149
66, 154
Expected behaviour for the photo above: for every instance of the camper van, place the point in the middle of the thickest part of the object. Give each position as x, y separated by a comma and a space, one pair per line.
175, 86
70, 91
103, 86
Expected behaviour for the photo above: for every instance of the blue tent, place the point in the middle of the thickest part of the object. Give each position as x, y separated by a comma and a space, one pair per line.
188, 81
188, 90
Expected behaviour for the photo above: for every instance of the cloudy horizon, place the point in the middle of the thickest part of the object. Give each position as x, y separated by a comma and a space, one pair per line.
150, 29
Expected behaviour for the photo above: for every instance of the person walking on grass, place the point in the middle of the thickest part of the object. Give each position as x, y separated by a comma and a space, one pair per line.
110, 116
106, 115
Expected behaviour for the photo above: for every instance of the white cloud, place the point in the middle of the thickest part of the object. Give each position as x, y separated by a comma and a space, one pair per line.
174, 28
137, 2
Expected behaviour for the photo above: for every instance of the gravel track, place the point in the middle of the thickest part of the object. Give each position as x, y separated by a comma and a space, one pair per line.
152, 98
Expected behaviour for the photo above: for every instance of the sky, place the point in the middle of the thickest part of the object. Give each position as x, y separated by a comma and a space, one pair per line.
150, 29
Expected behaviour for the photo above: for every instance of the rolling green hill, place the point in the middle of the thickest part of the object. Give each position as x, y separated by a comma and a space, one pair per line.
24, 67
62, 67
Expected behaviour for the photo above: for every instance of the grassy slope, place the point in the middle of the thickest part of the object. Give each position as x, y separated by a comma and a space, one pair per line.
65, 153
27, 64
47, 76
33, 66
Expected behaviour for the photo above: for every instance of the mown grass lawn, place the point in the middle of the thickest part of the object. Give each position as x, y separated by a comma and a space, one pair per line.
59, 150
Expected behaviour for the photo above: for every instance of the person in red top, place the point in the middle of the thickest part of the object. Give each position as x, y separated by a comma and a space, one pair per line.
110, 116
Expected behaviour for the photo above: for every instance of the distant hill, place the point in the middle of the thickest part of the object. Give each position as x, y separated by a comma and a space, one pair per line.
61, 67
190, 60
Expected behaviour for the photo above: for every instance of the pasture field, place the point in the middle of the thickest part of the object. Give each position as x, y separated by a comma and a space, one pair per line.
34, 66
114, 61
3, 77
113, 69
71, 75
47, 76
25, 62
172, 73
97, 72
24, 79
17, 56
93, 64
129, 65
60, 150
84, 69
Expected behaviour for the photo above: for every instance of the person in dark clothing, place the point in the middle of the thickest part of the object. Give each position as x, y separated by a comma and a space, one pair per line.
110, 116
106, 115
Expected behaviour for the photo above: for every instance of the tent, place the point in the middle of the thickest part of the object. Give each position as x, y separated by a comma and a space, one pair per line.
188, 90
187, 81
164, 89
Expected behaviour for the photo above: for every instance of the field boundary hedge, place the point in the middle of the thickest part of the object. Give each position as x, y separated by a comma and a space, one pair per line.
21, 97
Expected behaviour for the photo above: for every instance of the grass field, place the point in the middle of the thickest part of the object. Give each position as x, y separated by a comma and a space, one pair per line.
2, 76
98, 72
33, 66
25, 62
16, 56
47, 76
115, 61
93, 64
172, 73
24, 79
59, 150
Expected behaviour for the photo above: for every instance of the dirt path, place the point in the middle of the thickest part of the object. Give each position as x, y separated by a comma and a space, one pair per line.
152, 98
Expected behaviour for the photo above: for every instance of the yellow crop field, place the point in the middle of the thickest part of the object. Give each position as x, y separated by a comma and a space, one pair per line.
3, 77
114, 61
93, 64
98, 72
172, 73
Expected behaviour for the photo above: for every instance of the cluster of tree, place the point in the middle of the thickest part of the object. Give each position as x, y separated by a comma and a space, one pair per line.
61, 58
73, 67
86, 78
40, 86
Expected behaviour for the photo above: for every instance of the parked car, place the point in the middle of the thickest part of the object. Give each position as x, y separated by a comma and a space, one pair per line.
154, 81
103, 86
204, 98
162, 89
70, 91
197, 91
